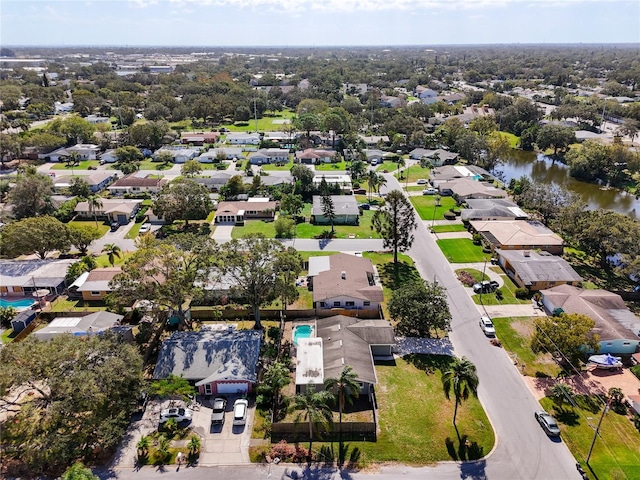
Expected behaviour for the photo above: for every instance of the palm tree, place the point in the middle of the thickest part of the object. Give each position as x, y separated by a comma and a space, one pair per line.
561, 392
143, 446
164, 444
372, 181
194, 445
95, 204
381, 182
346, 388
313, 407
113, 251
461, 376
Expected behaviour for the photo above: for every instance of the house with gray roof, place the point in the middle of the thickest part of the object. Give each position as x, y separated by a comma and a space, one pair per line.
216, 361
492, 209
269, 155
79, 326
437, 157
537, 270
345, 208
23, 277
211, 155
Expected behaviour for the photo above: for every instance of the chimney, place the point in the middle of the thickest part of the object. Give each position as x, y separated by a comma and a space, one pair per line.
343, 275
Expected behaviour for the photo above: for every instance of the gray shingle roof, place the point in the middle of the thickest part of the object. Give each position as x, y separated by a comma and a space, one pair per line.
534, 267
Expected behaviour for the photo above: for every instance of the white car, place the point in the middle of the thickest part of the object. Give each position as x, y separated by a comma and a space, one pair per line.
422, 181
487, 326
430, 191
179, 414
145, 228
240, 408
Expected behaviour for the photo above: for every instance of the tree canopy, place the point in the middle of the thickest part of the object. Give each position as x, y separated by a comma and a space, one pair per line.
31, 195
420, 309
39, 235
183, 199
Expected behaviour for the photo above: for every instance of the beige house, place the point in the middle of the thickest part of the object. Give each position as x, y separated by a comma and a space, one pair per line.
96, 285
253, 209
133, 184
519, 235
119, 210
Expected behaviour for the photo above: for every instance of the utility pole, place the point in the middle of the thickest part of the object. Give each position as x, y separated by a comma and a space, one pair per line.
597, 431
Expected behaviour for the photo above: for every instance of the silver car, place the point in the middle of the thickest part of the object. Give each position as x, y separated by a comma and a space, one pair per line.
547, 423
487, 326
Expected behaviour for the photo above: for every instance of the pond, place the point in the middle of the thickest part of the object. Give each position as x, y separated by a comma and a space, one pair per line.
541, 169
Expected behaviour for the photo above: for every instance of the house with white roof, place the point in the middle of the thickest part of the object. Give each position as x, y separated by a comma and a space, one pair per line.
243, 138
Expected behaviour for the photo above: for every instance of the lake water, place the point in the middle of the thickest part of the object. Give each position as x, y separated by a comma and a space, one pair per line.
542, 169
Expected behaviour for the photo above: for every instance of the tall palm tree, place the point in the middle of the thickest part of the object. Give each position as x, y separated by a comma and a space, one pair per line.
94, 203
346, 388
461, 377
381, 182
561, 393
113, 251
372, 181
313, 407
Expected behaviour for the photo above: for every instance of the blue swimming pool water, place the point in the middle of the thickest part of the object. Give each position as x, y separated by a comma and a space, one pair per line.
22, 303
301, 331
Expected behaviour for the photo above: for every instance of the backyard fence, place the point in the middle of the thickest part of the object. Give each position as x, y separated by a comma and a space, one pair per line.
209, 313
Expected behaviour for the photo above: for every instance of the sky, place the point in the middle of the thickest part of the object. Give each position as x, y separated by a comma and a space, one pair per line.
316, 22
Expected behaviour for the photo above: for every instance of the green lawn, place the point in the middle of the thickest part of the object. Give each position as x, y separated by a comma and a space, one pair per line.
616, 452
415, 172
254, 226
508, 295
388, 166
513, 139
462, 250
102, 227
455, 227
415, 188
476, 274
8, 335
339, 166
134, 231
81, 166
63, 304
416, 420
264, 124
425, 204
515, 334
103, 260
272, 166
148, 164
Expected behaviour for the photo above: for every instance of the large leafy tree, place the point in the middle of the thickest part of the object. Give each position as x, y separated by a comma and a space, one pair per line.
83, 389
420, 309
252, 262
39, 235
183, 199
288, 265
557, 136
81, 236
395, 222
291, 204
173, 386
567, 334
74, 128
128, 154
461, 378
313, 407
31, 195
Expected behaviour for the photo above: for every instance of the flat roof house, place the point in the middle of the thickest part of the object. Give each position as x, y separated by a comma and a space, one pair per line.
344, 181
83, 151
537, 270
343, 281
96, 180
519, 235
241, 138
345, 207
217, 362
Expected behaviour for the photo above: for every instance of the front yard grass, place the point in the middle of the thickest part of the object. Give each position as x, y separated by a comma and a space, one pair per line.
454, 227
275, 166
388, 166
415, 172
425, 205
102, 227
462, 250
416, 419
616, 452
329, 167
264, 124
508, 295
84, 165
148, 164
515, 334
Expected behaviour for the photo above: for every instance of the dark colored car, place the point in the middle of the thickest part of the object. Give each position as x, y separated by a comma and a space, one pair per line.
365, 206
547, 423
359, 191
115, 226
219, 408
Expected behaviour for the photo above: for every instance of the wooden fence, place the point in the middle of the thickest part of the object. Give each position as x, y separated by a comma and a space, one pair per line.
209, 313
299, 432
29, 328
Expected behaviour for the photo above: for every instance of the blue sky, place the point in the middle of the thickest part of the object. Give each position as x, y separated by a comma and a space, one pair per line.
316, 22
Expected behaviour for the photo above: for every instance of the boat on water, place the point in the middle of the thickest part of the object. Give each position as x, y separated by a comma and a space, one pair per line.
606, 361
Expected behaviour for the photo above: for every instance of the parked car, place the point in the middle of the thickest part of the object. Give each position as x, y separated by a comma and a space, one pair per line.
547, 423
145, 228
487, 326
219, 407
179, 414
485, 286
430, 191
422, 181
240, 408
360, 191
115, 226
365, 206
494, 285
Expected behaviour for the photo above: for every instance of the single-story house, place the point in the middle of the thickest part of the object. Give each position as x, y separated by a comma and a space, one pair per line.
96, 119
217, 362
23, 277
134, 183
374, 141
108, 156
492, 209
274, 178
239, 211
96, 284
617, 326
388, 101
199, 138
345, 207
451, 172
518, 235
473, 111
119, 210
211, 155
179, 154
79, 326
269, 155
242, 138
311, 156
340, 341
537, 270
354, 88
451, 98
465, 188
216, 181
97, 181
344, 181
82, 151
343, 281
437, 157
375, 154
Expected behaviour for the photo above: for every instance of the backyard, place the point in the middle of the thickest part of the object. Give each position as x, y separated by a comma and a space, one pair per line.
426, 206
266, 123
462, 250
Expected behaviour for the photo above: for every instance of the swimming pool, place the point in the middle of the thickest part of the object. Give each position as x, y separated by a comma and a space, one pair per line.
302, 331
21, 303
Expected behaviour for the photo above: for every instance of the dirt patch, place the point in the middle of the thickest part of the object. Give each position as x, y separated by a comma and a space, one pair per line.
523, 328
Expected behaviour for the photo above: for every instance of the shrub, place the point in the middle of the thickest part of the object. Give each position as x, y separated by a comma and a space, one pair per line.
477, 239
521, 293
466, 278
636, 371
449, 216
499, 294
288, 452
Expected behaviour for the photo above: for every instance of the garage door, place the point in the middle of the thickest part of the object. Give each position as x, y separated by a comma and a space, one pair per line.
232, 388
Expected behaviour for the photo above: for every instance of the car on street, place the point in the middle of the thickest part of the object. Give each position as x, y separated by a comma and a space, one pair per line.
365, 206
240, 408
430, 191
547, 423
115, 226
178, 413
422, 181
487, 326
219, 407
145, 228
